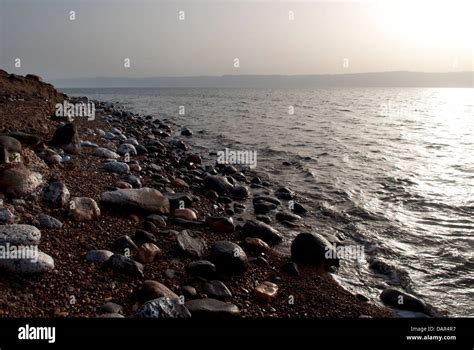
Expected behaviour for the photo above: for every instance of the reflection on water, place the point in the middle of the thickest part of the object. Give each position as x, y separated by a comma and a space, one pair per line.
392, 169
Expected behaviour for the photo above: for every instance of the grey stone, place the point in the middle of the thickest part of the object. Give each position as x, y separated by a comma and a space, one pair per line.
163, 308
144, 199
19, 234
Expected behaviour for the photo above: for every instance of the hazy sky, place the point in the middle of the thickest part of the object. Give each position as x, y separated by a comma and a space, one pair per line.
322, 37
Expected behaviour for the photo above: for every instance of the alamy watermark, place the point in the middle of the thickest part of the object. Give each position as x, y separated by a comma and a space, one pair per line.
75, 110
14, 252
228, 156
345, 252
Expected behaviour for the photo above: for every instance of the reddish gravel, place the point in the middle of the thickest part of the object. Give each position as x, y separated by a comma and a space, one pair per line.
77, 288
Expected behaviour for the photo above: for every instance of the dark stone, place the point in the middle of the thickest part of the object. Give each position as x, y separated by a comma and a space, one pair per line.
111, 308
220, 224
264, 218
403, 301
8, 145
201, 268
163, 308
240, 192
219, 184
286, 216
263, 207
125, 242
229, 257
186, 131
284, 193
67, 135
158, 220
212, 308
299, 208
142, 236
259, 229
256, 180
56, 195
268, 199
134, 181
217, 289
127, 265
46, 221
312, 248
192, 243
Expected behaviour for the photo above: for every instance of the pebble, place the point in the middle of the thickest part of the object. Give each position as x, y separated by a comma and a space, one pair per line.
111, 308
6, 216
163, 308
27, 260
116, 167
266, 291
158, 220
286, 216
148, 252
125, 242
256, 245
56, 194
220, 224
83, 209
217, 289
189, 291
144, 199
186, 213
312, 248
201, 268
19, 234
403, 301
191, 243
105, 153
126, 265
153, 290
98, 256
228, 257
126, 148
259, 229
212, 308
46, 221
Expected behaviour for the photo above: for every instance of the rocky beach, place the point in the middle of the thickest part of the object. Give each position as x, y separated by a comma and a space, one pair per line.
128, 221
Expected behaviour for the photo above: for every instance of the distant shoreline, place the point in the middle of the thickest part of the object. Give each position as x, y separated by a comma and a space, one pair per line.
382, 79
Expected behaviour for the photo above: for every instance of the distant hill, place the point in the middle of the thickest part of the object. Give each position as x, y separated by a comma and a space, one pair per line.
383, 79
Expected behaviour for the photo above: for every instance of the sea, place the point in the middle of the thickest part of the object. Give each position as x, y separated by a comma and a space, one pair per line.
388, 170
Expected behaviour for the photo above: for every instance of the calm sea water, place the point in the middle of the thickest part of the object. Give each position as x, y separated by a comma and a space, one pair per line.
390, 169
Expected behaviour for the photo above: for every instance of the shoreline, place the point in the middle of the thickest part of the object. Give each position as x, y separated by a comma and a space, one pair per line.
76, 287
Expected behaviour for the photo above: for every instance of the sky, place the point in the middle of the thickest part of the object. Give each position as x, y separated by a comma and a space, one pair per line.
135, 38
